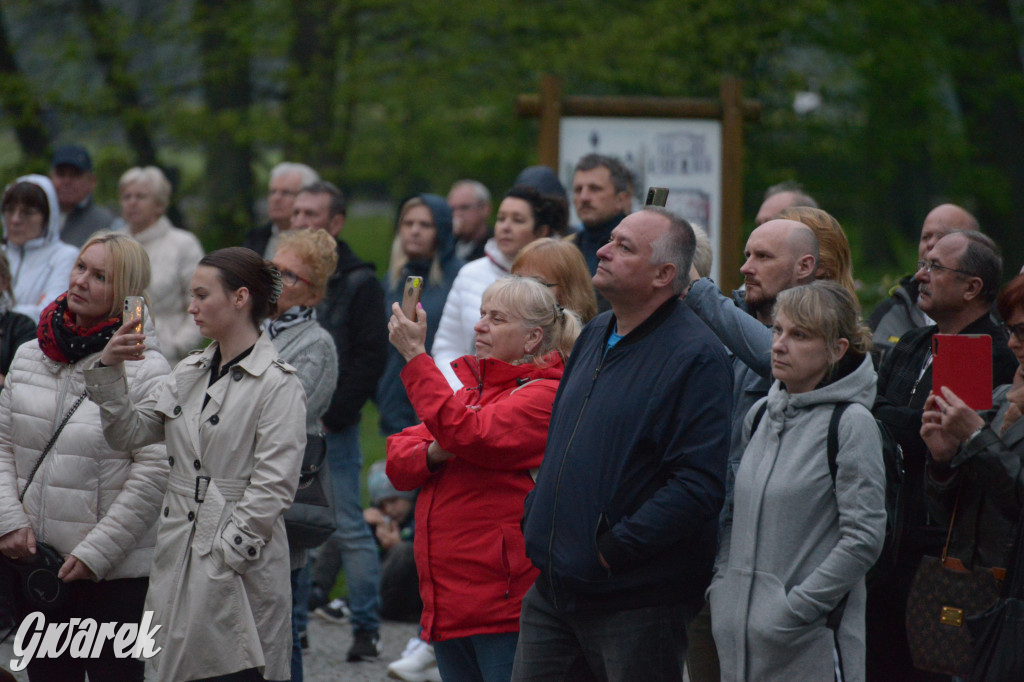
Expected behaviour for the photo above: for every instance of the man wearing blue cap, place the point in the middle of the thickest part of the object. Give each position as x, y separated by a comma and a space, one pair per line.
72, 176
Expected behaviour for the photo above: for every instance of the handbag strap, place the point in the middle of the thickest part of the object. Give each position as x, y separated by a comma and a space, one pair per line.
49, 445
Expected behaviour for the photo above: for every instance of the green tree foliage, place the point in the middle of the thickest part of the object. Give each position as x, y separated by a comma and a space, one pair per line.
920, 100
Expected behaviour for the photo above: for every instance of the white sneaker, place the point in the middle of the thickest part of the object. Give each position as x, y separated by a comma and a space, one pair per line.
417, 663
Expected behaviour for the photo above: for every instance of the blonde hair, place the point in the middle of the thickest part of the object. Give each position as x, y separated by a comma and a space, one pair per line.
152, 177
398, 257
315, 248
563, 264
827, 310
834, 260
129, 270
535, 306
703, 255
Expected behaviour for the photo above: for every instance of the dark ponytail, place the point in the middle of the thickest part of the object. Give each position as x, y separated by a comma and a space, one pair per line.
240, 267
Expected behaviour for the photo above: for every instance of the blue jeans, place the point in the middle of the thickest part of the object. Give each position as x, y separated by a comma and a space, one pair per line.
300, 617
477, 658
648, 643
351, 546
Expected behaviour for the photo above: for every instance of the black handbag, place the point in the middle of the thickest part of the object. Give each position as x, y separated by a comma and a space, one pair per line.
945, 593
41, 589
998, 632
310, 520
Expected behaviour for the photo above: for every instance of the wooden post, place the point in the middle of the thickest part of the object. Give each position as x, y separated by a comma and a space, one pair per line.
550, 120
730, 248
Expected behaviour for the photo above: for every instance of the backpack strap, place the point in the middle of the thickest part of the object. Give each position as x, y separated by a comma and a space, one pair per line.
832, 447
757, 418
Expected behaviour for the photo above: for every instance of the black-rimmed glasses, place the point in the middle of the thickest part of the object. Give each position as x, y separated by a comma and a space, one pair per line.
1015, 329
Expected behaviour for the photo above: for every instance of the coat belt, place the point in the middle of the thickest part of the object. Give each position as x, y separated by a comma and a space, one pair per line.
196, 487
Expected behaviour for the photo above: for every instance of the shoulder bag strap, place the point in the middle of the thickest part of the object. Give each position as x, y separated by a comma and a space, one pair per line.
49, 446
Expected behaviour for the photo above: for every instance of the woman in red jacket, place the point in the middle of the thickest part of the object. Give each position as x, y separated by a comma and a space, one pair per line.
472, 457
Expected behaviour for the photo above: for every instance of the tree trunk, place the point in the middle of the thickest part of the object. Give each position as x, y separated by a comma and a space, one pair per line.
20, 103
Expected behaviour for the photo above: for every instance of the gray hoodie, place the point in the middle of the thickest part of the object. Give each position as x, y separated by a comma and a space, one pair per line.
41, 267
793, 546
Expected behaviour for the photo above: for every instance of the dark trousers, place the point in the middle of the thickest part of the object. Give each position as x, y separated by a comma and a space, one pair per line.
702, 654
118, 601
888, 651
647, 643
400, 585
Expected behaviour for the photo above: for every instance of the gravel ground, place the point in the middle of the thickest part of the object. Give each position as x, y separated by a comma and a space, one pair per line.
324, 661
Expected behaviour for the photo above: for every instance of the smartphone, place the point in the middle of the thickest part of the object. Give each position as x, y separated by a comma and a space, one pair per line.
963, 363
656, 196
413, 291
134, 309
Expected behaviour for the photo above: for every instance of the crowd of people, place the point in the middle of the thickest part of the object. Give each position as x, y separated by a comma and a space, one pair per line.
598, 466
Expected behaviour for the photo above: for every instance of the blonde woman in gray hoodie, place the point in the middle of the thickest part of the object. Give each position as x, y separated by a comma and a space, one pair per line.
797, 544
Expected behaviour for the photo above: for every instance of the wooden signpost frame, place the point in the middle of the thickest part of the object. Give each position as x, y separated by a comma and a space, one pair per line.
731, 109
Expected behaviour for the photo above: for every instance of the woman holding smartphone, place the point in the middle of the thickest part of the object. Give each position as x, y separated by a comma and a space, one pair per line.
94, 503
234, 419
423, 247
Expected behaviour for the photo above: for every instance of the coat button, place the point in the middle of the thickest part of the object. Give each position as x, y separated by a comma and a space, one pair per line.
252, 551
214, 419
177, 409
170, 460
238, 539
191, 516
167, 510
236, 375
197, 465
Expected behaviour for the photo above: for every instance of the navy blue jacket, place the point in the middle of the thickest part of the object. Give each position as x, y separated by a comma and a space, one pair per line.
634, 467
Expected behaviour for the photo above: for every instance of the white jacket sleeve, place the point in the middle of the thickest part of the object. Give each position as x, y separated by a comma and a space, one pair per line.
127, 424
137, 506
12, 513
449, 341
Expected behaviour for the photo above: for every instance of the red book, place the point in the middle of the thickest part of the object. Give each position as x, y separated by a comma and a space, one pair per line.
963, 363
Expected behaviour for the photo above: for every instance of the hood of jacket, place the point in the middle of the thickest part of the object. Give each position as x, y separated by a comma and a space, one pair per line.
51, 231
856, 386
442, 216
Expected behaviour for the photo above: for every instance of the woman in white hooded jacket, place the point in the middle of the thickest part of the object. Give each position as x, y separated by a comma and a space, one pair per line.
96, 505
797, 542
40, 261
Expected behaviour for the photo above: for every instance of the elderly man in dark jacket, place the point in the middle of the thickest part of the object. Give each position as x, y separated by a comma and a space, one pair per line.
623, 521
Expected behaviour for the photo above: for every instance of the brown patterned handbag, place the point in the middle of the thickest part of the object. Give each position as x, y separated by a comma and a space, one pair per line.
944, 593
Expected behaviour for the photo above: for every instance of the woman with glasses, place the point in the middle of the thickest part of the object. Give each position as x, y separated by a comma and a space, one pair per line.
145, 194
423, 247
980, 456
305, 259
41, 263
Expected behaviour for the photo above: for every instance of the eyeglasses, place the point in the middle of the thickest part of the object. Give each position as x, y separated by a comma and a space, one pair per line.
1015, 329
928, 266
290, 278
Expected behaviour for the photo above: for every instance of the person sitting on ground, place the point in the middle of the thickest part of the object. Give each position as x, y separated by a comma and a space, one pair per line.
391, 518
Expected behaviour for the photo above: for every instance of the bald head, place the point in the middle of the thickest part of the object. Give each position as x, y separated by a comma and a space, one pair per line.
939, 222
779, 255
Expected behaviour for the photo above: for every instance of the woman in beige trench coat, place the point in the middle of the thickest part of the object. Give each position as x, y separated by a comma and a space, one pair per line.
233, 417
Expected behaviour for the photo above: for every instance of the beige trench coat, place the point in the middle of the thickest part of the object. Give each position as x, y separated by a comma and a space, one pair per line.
219, 585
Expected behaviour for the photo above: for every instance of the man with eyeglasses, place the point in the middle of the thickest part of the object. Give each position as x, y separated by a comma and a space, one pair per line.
957, 281
286, 179
470, 202
898, 314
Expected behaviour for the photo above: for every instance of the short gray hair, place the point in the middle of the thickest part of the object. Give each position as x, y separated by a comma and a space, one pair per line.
676, 246
982, 259
305, 173
801, 198
153, 178
704, 253
480, 191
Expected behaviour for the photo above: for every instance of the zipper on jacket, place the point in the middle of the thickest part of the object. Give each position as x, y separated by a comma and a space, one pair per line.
558, 481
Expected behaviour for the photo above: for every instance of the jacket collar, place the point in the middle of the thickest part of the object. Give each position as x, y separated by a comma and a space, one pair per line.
647, 326
154, 232
473, 372
256, 363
